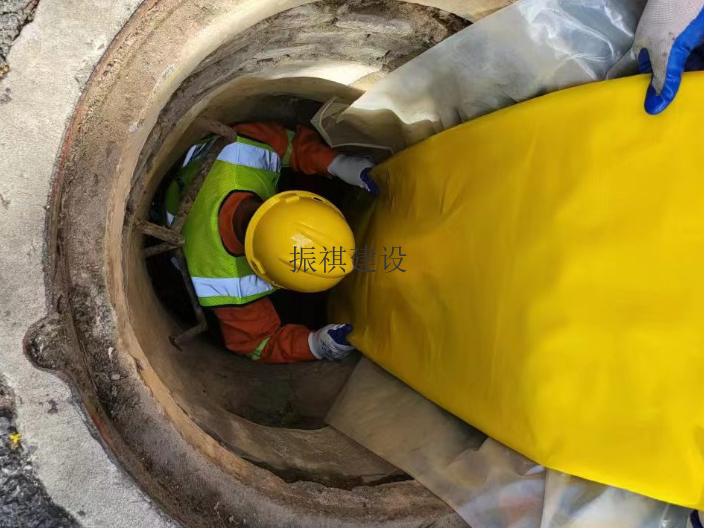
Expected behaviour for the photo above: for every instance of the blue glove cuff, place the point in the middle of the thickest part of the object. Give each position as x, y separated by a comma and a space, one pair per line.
339, 335
367, 180
681, 49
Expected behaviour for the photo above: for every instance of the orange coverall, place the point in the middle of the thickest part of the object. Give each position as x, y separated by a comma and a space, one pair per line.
245, 327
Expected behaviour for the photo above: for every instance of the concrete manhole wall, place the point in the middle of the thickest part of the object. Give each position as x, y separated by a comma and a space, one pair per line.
234, 60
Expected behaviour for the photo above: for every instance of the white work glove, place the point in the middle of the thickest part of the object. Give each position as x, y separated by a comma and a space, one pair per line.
667, 33
330, 342
696, 520
355, 171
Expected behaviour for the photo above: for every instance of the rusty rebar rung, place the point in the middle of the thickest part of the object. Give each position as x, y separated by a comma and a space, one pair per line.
171, 236
189, 334
158, 249
193, 297
162, 233
197, 183
202, 325
217, 128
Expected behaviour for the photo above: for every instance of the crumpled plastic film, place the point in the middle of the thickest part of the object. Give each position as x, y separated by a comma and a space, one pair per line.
486, 483
525, 50
553, 295
343, 135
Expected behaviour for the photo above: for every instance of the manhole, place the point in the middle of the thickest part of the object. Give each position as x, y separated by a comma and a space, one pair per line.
214, 438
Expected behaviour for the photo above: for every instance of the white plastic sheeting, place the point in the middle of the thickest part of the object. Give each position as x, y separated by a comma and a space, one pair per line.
488, 484
528, 49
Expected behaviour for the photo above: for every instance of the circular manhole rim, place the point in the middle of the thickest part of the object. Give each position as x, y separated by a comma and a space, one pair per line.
158, 443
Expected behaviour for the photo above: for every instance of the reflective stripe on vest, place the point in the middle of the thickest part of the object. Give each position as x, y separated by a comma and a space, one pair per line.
238, 153
251, 156
220, 278
230, 287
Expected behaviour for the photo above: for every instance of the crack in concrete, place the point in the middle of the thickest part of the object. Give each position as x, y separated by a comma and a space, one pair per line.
23, 500
14, 15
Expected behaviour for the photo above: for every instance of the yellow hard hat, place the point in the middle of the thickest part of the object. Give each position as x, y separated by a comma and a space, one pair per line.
299, 241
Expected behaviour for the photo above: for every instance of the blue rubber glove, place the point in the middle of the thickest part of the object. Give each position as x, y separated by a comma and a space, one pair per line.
355, 171
667, 34
330, 342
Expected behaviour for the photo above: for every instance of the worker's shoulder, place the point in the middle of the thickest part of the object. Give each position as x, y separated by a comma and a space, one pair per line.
264, 131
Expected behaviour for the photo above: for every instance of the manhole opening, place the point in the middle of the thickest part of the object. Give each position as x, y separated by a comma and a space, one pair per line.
271, 414
289, 396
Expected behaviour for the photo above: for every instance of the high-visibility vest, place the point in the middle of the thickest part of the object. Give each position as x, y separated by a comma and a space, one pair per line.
219, 277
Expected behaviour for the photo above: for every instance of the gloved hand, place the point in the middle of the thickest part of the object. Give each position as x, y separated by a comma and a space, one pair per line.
696, 519
355, 171
330, 342
668, 32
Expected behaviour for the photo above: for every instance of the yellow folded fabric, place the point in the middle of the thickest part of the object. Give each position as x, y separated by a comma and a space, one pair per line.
554, 287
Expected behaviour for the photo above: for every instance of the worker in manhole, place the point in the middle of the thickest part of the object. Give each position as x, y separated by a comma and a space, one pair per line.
238, 238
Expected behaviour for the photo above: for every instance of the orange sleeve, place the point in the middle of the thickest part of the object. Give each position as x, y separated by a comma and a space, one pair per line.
272, 134
245, 327
288, 345
310, 154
